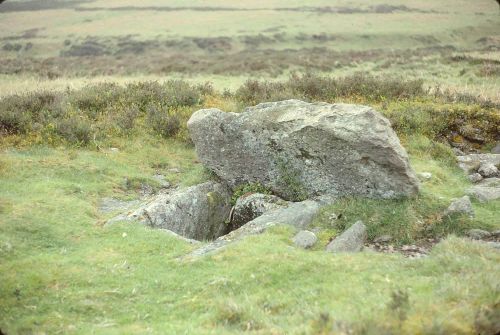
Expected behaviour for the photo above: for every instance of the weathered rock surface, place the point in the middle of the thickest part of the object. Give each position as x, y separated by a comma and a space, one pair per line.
487, 170
471, 163
198, 212
352, 240
297, 214
301, 150
475, 177
460, 206
486, 190
252, 206
305, 239
478, 234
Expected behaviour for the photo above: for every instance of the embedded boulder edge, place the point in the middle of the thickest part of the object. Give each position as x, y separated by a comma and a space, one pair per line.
305, 150
198, 212
352, 240
296, 214
249, 207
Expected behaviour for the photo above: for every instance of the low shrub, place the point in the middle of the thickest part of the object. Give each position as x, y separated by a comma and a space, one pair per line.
162, 122
313, 87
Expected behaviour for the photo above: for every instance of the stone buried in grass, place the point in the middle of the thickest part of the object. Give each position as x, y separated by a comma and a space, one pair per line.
301, 150
305, 239
460, 206
352, 240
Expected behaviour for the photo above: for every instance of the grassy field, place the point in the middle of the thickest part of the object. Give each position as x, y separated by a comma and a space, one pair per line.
447, 43
94, 99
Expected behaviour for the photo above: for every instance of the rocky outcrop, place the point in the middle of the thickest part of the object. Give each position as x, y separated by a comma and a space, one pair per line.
302, 150
251, 206
198, 212
352, 240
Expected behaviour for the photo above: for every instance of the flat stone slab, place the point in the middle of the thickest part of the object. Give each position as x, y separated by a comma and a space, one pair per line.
297, 214
486, 190
351, 240
109, 205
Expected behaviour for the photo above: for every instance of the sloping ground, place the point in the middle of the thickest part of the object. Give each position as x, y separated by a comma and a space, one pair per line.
62, 271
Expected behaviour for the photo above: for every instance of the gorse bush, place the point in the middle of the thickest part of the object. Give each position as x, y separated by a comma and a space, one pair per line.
314, 87
98, 112
102, 110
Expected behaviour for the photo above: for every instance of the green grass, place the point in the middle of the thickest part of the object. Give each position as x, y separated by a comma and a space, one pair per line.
63, 271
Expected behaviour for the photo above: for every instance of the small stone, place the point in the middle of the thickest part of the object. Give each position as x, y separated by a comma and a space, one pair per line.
475, 177
488, 169
478, 234
383, 239
352, 240
114, 150
305, 239
174, 170
459, 206
424, 175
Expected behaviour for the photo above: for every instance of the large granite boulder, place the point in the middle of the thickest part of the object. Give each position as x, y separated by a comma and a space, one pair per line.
198, 212
301, 150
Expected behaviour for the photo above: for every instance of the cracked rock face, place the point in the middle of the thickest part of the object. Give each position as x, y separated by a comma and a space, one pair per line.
301, 150
198, 212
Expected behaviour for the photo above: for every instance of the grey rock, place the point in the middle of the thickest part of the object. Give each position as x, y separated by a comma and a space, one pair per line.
108, 205
198, 212
495, 233
475, 177
424, 175
471, 163
252, 206
352, 240
486, 190
305, 239
478, 234
161, 180
302, 150
383, 239
297, 214
496, 149
460, 206
488, 169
